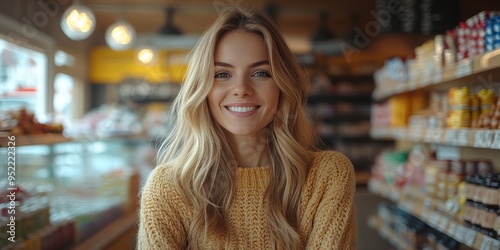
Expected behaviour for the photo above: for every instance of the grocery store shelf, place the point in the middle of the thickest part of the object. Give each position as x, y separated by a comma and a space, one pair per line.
435, 213
387, 233
477, 138
338, 97
337, 118
388, 133
465, 72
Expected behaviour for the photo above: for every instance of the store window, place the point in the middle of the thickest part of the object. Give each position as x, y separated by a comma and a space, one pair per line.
23, 77
63, 98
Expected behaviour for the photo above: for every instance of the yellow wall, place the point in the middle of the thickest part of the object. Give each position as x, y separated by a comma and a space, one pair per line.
112, 67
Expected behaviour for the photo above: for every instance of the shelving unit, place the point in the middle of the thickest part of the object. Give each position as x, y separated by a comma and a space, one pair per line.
476, 138
435, 213
468, 71
339, 106
388, 233
442, 216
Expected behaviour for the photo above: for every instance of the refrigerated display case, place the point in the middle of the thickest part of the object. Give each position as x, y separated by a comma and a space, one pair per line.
71, 192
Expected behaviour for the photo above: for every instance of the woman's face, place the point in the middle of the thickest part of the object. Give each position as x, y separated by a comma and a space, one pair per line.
244, 97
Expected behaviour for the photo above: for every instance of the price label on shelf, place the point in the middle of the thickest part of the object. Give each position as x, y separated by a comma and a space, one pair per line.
496, 139
407, 206
427, 74
478, 138
400, 88
437, 135
394, 195
470, 237
412, 81
487, 243
444, 223
438, 72
428, 135
495, 244
460, 232
399, 133
464, 68
463, 137
427, 202
434, 220
450, 136
488, 138
415, 134
452, 228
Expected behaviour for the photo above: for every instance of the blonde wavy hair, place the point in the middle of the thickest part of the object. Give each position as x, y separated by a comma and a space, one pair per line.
200, 151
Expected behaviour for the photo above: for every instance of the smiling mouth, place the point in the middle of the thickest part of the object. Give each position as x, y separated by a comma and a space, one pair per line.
242, 109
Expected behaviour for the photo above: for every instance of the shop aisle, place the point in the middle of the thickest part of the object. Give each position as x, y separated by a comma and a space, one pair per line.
366, 205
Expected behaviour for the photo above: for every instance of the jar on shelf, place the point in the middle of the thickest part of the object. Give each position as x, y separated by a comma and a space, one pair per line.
496, 227
468, 213
433, 178
490, 201
470, 167
491, 192
480, 188
474, 110
455, 177
470, 187
488, 222
477, 216
484, 166
487, 100
459, 115
443, 168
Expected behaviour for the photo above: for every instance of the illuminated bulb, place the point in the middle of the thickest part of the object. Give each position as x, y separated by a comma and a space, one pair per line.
120, 36
145, 55
78, 22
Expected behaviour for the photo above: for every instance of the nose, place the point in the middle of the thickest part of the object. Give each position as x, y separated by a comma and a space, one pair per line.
242, 86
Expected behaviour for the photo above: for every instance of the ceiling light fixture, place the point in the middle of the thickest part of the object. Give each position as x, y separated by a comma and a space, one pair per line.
323, 33
78, 22
168, 36
169, 28
120, 35
324, 41
147, 55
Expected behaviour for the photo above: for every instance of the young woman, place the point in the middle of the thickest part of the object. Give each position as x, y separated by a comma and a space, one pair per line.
240, 170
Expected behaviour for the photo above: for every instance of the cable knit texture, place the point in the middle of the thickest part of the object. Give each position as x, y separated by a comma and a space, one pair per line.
327, 215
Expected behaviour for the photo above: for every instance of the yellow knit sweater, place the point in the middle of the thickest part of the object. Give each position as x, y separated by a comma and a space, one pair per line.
327, 215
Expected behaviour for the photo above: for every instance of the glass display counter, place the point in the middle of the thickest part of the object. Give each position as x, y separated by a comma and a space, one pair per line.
60, 193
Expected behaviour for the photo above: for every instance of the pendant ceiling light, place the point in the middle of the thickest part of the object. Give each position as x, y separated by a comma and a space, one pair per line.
322, 33
324, 41
169, 28
120, 35
170, 36
78, 22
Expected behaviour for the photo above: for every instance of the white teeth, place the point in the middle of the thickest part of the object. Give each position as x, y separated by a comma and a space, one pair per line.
242, 109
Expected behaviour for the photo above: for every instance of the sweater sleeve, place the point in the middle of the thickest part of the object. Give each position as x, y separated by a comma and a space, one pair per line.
162, 210
334, 223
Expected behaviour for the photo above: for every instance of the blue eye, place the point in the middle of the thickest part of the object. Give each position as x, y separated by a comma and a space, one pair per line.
222, 75
262, 74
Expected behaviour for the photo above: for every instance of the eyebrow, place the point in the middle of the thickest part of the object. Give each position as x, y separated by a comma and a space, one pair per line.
255, 64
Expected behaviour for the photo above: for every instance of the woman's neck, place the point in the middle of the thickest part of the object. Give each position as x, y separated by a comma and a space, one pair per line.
251, 151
